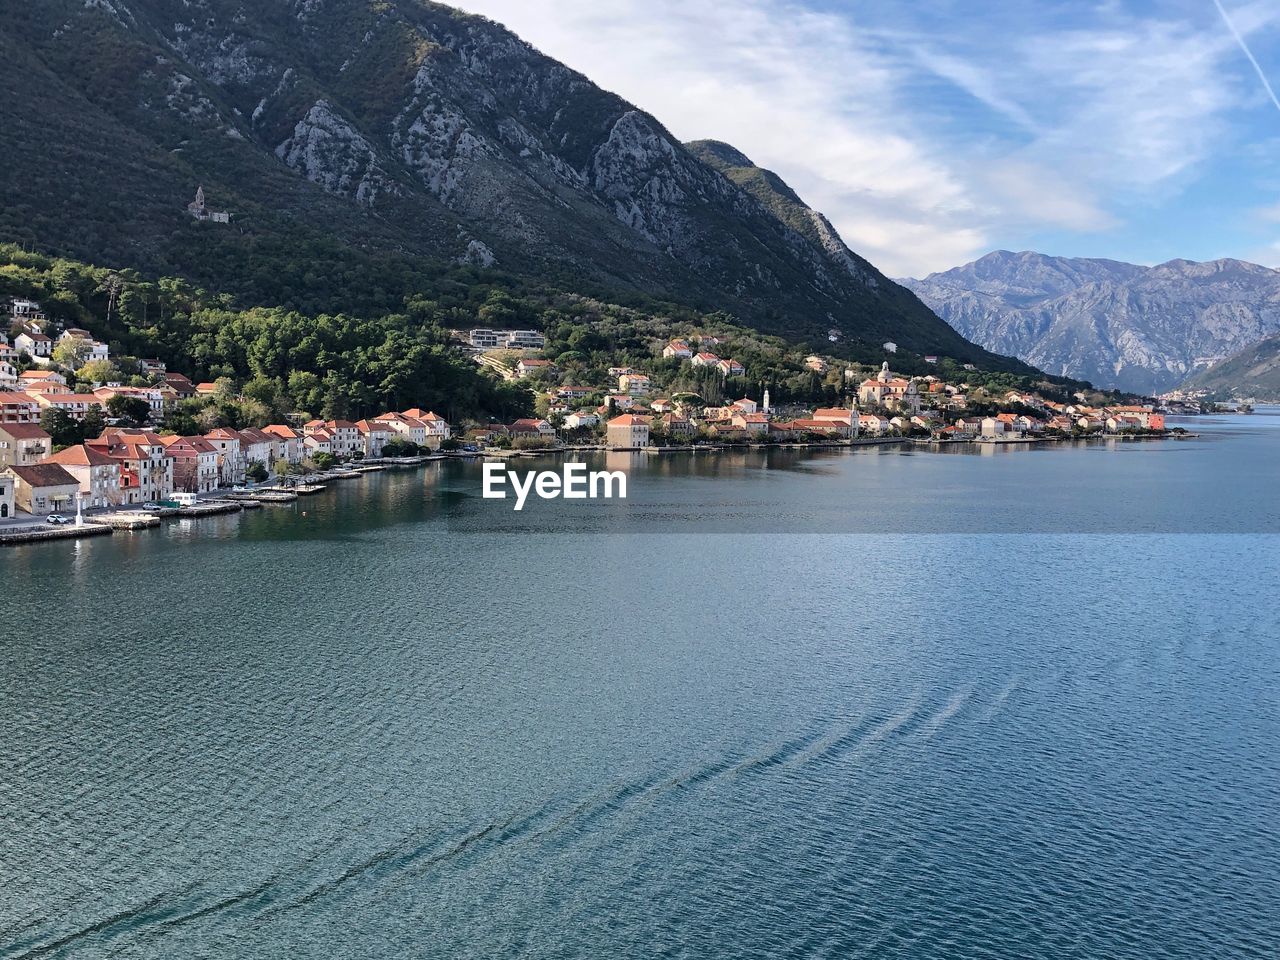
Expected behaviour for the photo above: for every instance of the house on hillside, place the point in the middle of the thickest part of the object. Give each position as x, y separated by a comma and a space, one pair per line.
678, 349
23, 444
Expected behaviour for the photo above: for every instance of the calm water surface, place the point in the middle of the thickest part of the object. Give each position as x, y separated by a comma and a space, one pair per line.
1006, 704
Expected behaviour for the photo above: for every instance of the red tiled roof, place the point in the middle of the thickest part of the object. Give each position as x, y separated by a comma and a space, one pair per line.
45, 475
24, 431
81, 456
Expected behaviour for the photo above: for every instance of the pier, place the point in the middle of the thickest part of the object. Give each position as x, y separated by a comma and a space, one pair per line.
40, 534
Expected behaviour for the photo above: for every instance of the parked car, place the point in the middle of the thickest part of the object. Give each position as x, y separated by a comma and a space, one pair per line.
56, 519
153, 506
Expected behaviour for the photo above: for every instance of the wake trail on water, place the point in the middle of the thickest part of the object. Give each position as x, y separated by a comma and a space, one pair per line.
416, 857
132, 917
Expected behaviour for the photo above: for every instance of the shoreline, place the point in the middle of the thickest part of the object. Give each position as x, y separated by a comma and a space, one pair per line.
276, 494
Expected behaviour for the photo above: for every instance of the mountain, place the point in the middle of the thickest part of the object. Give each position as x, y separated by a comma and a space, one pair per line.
343, 135
1253, 373
1143, 329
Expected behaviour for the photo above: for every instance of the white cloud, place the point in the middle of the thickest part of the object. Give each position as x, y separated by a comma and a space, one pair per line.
862, 117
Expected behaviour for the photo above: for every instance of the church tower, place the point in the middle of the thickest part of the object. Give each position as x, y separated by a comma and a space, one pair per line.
764, 406
196, 207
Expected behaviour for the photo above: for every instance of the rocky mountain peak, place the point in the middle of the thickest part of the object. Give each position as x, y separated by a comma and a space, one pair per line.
1117, 324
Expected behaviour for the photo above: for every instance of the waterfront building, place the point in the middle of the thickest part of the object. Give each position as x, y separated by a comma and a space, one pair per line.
195, 463
628, 432
318, 441
231, 461
677, 427
258, 446
97, 473
374, 435
873, 424
44, 488
532, 427
751, 423
288, 442
410, 429
437, 427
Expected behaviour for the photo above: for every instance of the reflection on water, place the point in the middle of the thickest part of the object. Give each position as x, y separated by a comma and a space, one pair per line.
338, 728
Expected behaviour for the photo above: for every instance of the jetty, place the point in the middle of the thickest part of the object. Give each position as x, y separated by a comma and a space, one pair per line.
34, 534
271, 495
129, 519
209, 508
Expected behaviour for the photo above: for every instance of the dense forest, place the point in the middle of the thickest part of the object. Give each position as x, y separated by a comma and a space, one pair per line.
277, 361
328, 365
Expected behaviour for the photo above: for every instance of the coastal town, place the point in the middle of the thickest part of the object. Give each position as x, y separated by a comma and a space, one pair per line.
77, 436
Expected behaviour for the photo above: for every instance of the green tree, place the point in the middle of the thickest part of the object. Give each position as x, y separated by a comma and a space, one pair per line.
71, 352
63, 429
399, 448
131, 411
256, 471
99, 372
224, 389
94, 423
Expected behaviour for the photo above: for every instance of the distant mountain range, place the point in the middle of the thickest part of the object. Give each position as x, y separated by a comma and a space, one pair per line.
1143, 329
352, 132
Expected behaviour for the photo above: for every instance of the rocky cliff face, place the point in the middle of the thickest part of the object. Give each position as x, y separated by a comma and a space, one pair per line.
412, 125
1138, 328
783, 202
1251, 374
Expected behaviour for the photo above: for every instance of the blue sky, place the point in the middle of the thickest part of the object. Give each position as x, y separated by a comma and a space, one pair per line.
933, 132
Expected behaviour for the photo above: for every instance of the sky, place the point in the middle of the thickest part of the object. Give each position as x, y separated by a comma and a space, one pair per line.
931, 132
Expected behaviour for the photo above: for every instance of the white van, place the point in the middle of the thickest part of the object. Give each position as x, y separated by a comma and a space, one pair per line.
185, 499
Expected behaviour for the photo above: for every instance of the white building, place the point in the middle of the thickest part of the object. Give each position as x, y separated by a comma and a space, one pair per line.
35, 345
483, 338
